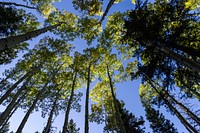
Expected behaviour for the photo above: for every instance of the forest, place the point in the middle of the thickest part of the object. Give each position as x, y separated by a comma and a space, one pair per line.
63, 58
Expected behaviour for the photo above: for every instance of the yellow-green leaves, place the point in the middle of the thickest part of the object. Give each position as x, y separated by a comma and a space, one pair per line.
114, 27
89, 29
90, 8
100, 91
147, 94
192, 4
117, 1
133, 1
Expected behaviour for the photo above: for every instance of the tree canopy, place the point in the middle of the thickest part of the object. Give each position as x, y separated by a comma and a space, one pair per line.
156, 43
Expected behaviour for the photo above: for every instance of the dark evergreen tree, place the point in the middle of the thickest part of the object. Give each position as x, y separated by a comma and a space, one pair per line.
166, 39
72, 127
132, 124
158, 123
11, 19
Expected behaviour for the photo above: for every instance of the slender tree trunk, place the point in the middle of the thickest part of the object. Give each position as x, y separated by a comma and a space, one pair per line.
13, 40
190, 51
48, 126
10, 107
184, 108
187, 125
121, 124
87, 101
23, 122
15, 108
184, 61
15, 4
111, 2
8, 76
69, 105
6, 95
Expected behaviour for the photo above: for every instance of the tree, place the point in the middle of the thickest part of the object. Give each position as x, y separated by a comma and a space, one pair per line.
5, 128
131, 123
8, 27
72, 127
91, 58
11, 41
15, 4
74, 85
158, 123
157, 97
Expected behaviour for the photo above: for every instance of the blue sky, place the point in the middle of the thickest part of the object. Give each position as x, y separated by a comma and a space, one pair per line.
127, 91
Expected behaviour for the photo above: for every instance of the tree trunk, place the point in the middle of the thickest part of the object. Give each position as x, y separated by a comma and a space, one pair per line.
16, 106
184, 61
191, 51
121, 124
87, 101
187, 125
69, 105
11, 41
14, 86
22, 124
184, 108
15, 4
48, 126
10, 107
111, 2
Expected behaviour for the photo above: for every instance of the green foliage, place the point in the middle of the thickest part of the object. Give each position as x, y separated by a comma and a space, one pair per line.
72, 127
158, 123
52, 64
89, 7
131, 123
163, 24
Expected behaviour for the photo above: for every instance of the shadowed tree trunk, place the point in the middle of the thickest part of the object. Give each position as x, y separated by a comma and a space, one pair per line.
16, 106
184, 61
87, 101
111, 2
16, 4
23, 122
187, 125
10, 107
13, 40
184, 108
28, 74
118, 116
69, 105
48, 126
6, 95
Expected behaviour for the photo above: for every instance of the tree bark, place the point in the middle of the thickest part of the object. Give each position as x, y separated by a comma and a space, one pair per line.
184, 108
121, 124
188, 50
10, 107
48, 126
87, 101
69, 105
184, 61
16, 106
13, 40
187, 125
15, 4
14, 86
22, 124
111, 2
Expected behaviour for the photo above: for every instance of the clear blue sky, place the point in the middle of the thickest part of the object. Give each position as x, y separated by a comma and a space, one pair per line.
127, 91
